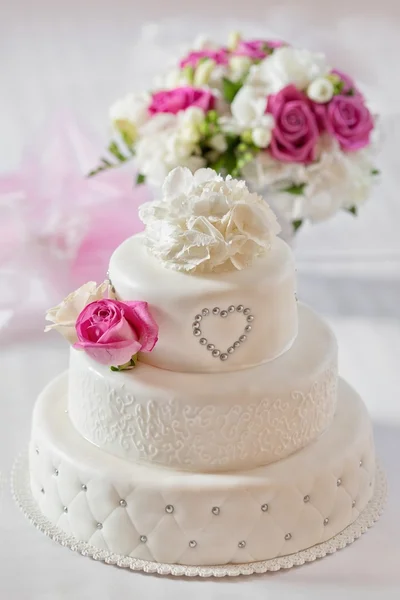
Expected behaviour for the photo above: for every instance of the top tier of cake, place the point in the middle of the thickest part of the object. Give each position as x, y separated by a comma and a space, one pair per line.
210, 322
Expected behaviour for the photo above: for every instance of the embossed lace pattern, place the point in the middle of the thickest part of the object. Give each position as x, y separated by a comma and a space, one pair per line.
175, 433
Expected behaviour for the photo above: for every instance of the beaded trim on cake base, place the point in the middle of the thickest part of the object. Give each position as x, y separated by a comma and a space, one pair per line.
23, 496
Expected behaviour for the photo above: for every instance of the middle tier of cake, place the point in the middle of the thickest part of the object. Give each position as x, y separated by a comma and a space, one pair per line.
210, 422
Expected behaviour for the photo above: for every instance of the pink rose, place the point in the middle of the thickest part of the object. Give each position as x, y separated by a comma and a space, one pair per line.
111, 332
348, 120
295, 133
220, 57
172, 101
257, 49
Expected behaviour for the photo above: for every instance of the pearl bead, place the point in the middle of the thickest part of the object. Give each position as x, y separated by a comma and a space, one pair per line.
224, 356
196, 332
242, 544
353, 503
192, 544
210, 347
306, 498
84, 487
223, 313
203, 341
215, 353
240, 308
169, 509
231, 308
122, 503
42, 490
247, 328
246, 311
205, 312
264, 507
339, 482
361, 463
250, 318
37, 450
99, 526
198, 318
143, 539
326, 521
215, 310
288, 536
65, 509
230, 350
236, 344
215, 510
242, 338
56, 472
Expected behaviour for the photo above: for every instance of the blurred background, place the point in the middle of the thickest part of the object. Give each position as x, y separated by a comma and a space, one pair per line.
63, 64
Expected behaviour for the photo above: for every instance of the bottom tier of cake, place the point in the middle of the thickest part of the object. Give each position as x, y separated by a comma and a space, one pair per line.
178, 517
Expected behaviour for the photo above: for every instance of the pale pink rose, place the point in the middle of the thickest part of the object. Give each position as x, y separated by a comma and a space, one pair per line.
173, 101
257, 49
111, 332
348, 120
220, 57
295, 133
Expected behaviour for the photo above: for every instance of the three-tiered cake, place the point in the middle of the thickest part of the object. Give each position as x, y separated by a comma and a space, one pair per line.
221, 434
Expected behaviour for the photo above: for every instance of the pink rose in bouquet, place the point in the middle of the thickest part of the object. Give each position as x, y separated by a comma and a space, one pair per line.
257, 49
295, 133
112, 332
220, 57
348, 120
173, 101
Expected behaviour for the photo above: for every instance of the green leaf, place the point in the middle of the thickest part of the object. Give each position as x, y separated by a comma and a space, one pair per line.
128, 141
350, 92
230, 89
338, 87
115, 151
375, 172
140, 179
297, 224
296, 190
352, 210
115, 368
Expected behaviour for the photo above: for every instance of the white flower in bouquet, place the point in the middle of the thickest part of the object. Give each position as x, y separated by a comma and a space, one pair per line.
288, 66
129, 113
207, 223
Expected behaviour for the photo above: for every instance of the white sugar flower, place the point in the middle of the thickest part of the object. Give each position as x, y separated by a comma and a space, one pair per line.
320, 90
205, 223
130, 112
64, 315
261, 136
239, 66
287, 66
248, 107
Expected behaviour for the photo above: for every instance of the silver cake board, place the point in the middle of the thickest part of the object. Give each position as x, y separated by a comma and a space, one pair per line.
22, 494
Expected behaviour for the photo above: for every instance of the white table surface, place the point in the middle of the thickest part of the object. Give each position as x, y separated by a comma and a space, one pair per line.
81, 54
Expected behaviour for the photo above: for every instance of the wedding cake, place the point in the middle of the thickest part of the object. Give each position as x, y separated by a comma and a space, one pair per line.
202, 420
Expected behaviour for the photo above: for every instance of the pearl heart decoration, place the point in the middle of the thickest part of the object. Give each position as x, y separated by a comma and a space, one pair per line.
216, 311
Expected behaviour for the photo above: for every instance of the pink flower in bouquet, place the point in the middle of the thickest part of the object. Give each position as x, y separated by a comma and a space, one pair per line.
220, 57
111, 332
172, 101
295, 133
348, 120
257, 49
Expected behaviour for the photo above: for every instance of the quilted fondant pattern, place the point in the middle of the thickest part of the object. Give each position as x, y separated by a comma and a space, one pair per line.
167, 516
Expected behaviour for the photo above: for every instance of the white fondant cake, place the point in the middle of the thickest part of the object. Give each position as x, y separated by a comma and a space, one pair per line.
210, 422
200, 519
201, 421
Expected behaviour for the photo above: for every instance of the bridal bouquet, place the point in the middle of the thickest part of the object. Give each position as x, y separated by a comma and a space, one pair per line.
280, 117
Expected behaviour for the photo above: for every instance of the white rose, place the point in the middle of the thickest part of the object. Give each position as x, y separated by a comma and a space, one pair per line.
130, 112
286, 66
261, 137
320, 90
205, 223
64, 315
